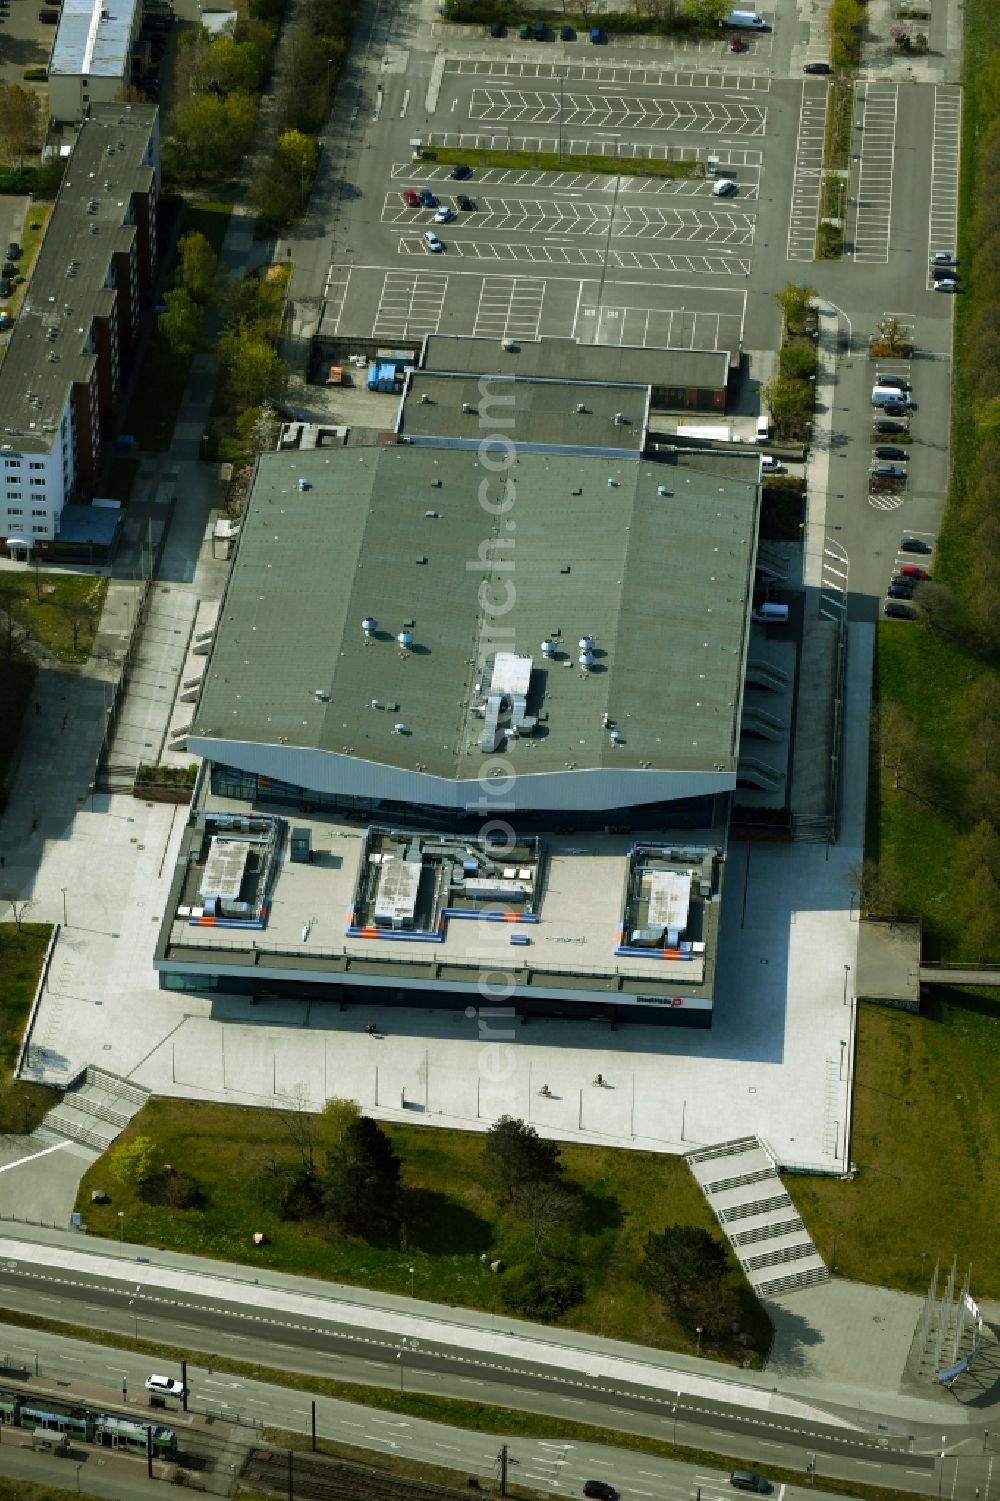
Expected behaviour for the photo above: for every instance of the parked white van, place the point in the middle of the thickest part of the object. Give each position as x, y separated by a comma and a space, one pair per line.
763, 428
889, 396
770, 614
745, 20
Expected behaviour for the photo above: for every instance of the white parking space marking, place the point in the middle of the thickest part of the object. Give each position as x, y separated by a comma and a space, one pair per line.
510, 306
655, 327
335, 293
945, 153
566, 216
410, 303
869, 223
569, 254
834, 575
614, 112
608, 73
807, 176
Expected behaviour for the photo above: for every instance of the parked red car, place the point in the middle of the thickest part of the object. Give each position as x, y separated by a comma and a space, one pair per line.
736, 42
410, 198
912, 572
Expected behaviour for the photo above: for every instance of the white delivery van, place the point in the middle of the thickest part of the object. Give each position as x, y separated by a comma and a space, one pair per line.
763, 428
770, 614
887, 395
744, 20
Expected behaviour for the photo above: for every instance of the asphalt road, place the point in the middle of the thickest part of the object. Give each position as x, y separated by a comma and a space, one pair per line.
94, 1374
879, 1453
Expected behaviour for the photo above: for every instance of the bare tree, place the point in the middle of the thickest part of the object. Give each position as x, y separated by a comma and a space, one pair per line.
299, 1120
19, 905
877, 888
79, 613
903, 754
547, 1210
937, 606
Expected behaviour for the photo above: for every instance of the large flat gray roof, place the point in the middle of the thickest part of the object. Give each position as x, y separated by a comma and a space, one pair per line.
47, 351
93, 38
540, 413
569, 359
654, 561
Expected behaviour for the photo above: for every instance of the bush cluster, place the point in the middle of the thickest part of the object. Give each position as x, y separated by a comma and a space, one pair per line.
308, 64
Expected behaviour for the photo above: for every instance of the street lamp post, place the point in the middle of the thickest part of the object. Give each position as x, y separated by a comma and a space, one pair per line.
412, 1271
944, 1440
64, 889
698, 1332
674, 1414
121, 1232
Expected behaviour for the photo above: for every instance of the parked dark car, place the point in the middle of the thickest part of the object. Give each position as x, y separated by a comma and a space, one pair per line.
888, 471
538, 31
817, 68
464, 203
898, 382
566, 33
897, 610
13, 251
886, 451
6, 286
9, 269
748, 1480
461, 171
915, 544
890, 427
896, 408
427, 198
600, 1490
498, 29
901, 589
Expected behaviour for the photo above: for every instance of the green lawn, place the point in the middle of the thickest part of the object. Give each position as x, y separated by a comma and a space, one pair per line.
929, 679
927, 1146
49, 604
449, 1219
21, 953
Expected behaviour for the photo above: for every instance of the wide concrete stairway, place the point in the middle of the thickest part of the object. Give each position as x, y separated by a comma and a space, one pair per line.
96, 1108
744, 1192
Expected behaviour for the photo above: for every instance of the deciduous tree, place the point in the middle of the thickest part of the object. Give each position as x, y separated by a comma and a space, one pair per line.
681, 1264
135, 1162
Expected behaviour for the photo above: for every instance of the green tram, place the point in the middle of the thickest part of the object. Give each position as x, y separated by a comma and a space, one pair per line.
107, 1429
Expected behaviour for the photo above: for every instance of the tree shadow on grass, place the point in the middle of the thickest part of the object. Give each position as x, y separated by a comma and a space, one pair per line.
441, 1225
598, 1211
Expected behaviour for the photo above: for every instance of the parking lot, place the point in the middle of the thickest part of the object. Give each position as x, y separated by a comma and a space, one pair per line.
627, 259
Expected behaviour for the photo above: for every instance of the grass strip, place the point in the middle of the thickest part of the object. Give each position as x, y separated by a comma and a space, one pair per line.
551, 161
22, 951
474, 1417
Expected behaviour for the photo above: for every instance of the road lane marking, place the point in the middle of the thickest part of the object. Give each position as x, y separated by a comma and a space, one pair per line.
34, 1156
